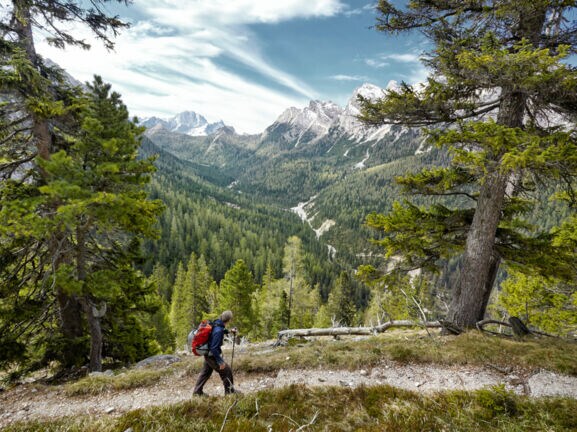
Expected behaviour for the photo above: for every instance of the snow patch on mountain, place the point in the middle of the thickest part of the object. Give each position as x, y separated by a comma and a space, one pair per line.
187, 122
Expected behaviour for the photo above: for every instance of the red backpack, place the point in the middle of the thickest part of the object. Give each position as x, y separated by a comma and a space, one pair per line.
199, 343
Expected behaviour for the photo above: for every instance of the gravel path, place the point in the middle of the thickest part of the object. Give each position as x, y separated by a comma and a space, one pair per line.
30, 401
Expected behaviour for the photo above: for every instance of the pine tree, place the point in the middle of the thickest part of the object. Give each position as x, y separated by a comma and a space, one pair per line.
161, 320
179, 320
341, 305
236, 291
499, 78
97, 185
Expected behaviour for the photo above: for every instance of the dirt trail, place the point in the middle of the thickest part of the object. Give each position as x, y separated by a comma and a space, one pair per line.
30, 401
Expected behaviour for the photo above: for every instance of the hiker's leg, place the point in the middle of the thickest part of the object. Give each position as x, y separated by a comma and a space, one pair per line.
205, 374
227, 379
225, 374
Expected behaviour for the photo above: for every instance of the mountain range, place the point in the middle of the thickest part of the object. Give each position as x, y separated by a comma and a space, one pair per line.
295, 126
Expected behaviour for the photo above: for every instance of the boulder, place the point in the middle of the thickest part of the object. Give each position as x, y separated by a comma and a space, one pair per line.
157, 361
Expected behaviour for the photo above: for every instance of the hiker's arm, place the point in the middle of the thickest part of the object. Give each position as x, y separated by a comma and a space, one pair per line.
215, 342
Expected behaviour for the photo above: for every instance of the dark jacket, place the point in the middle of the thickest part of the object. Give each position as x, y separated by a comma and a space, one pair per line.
216, 339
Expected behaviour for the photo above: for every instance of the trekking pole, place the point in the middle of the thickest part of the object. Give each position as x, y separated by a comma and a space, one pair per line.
233, 343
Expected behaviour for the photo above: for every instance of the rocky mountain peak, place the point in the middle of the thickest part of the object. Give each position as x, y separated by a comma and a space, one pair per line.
187, 122
310, 124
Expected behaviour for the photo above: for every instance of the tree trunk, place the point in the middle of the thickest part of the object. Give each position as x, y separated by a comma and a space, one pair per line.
70, 316
69, 308
23, 27
471, 296
93, 316
367, 331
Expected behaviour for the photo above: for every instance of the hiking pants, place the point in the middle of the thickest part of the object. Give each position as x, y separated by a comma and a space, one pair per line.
209, 366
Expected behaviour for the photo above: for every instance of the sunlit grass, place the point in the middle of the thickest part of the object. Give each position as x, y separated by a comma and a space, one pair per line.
126, 380
472, 348
378, 408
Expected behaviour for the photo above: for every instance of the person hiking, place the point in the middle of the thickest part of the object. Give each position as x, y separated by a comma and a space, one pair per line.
213, 361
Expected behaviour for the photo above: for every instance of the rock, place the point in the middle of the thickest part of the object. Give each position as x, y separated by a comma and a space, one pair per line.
363, 372
129, 430
321, 379
288, 358
158, 360
108, 372
344, 383
418, 384
514, 380
109, 410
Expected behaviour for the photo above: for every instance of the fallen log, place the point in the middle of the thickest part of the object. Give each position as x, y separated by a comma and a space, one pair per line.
359, 331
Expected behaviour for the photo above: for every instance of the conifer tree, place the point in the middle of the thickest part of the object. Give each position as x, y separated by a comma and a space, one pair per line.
190, 297
97, 185
160, 320
341, 305
236, 291
501, 100
179, 320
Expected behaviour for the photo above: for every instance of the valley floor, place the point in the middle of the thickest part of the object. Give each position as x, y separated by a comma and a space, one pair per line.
37, 402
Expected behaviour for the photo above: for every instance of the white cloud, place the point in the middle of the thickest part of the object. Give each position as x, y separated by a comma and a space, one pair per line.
376, 63
237, 12
403, 58
349, 78
166, 63
361, 10
384, 60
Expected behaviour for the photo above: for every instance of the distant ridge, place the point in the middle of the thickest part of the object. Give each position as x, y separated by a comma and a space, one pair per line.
187, 122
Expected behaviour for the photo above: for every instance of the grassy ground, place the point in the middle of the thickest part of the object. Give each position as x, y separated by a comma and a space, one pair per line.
378, 408
403, 347
411, 347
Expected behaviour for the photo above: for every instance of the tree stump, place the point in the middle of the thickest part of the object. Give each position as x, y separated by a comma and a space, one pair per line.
450, 327
519, 329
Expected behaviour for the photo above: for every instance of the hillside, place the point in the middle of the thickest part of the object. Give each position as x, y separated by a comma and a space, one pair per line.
500, 384
204, 216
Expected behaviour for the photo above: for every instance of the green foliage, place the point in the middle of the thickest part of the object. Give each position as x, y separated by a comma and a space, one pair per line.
224, 226
236, 290
547, 305
190, 298
340, 306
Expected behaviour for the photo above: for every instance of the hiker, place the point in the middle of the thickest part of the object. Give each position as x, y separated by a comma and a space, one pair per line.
213, 361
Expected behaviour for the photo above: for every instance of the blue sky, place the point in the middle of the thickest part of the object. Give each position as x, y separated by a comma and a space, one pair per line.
243, 61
